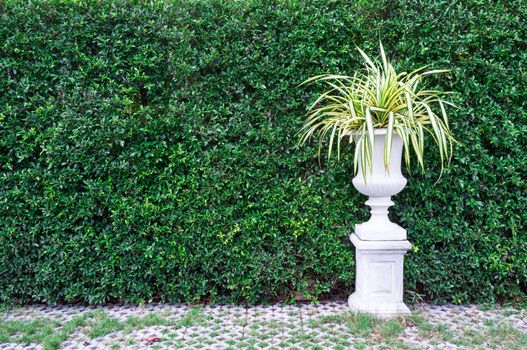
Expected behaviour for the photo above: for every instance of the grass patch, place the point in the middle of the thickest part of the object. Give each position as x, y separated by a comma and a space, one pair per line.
104, 324
436, 333
52, 333
372, 329
392, 328
193, 317
25, 332
497, 334
359, 324
49, 333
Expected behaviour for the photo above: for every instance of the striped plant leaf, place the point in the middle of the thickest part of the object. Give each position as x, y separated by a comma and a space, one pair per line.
379, 97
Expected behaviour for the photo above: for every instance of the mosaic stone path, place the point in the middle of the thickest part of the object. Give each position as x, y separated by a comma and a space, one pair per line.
327, 325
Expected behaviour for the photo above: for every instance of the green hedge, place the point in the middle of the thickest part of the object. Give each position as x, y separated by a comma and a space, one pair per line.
148, 151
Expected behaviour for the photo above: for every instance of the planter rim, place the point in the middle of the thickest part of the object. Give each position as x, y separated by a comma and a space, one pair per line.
376, 131
380, 131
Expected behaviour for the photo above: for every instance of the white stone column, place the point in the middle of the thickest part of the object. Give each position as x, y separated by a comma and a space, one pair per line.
379, 277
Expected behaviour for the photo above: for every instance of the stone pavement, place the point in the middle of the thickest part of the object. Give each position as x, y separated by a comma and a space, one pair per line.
328, 325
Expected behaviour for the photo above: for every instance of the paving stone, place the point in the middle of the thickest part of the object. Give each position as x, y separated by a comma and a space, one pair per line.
222, 326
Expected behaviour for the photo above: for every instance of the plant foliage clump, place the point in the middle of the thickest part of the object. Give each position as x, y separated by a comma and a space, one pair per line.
148, 149
378, 97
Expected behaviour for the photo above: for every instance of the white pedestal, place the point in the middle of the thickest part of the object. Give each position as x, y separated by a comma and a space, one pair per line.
379, 277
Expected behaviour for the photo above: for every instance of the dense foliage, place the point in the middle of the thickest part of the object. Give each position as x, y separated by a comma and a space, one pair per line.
148, 150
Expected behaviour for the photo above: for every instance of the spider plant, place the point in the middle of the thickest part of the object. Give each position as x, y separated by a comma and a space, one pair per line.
379, 97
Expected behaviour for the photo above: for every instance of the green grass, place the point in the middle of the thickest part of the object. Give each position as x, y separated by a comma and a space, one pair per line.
496, 334
26, 332
392, 328
49, 333
359, 324
371, 330
104, 324
384, 333
52, 333
437, 333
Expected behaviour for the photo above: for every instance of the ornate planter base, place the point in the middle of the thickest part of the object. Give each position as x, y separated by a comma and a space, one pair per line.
379, 277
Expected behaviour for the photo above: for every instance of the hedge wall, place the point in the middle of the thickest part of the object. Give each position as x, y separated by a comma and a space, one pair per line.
147, 151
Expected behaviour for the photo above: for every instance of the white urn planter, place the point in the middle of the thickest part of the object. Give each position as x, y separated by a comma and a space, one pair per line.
376, 104
380, 244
